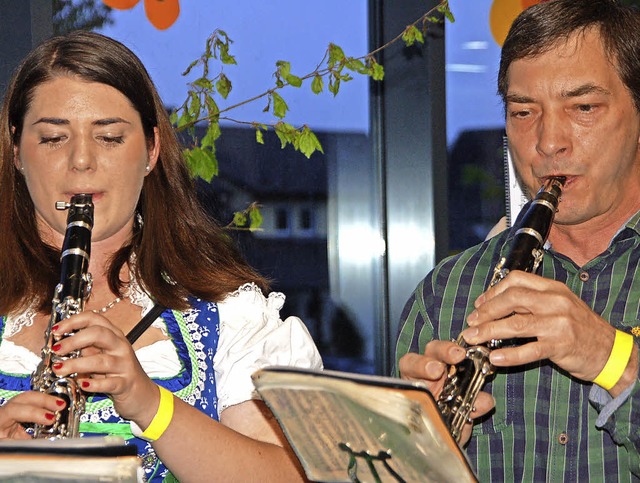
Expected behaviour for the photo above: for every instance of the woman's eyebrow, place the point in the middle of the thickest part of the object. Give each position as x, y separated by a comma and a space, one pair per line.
52, 120
62, 122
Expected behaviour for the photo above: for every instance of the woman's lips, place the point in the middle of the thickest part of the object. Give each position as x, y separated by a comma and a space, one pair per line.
95, 195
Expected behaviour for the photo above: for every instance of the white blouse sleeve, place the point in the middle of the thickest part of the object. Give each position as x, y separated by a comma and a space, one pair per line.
252, 336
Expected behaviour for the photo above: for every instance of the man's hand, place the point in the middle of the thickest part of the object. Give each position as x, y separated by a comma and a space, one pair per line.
563, 328
433, 367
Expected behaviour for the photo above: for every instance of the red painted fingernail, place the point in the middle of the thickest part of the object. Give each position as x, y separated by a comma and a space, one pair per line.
60, 402
85, 383
57, 365
49, 416
56, 347
54, 328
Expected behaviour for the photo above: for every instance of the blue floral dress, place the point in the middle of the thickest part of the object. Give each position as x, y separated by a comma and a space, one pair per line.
194, 334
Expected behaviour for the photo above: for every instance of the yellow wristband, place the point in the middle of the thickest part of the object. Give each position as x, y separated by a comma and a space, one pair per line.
160, 421
618, 360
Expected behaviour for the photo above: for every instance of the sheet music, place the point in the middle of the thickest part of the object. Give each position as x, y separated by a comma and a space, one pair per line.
73, 460
336, 425
515, 196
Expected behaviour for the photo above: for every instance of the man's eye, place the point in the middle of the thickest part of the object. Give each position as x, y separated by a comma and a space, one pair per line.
519, 114
586, 107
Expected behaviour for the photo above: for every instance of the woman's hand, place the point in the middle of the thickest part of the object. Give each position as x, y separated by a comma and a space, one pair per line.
31, 407
107, 364
432, 369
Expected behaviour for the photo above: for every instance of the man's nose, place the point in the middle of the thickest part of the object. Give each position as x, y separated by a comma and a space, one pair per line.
553, 135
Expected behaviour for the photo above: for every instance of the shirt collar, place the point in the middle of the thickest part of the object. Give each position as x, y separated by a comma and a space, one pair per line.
632, 223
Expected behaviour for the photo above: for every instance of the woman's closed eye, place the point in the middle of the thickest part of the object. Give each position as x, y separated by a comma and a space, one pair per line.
52, 139
111, 139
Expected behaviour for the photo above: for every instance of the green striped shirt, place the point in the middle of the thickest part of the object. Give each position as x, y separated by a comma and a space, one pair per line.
547, 426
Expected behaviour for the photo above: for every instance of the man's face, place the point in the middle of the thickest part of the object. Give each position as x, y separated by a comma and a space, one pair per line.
568, 113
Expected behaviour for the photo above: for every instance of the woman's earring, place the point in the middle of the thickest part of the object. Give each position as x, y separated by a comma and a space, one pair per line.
148, 168
139, 219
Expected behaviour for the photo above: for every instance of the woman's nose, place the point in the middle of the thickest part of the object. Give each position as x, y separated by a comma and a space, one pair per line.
81, 156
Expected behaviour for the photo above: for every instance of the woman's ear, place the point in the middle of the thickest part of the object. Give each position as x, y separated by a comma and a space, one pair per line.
16, 152
153, 150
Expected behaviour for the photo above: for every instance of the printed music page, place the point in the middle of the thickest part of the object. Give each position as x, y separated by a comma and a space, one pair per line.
77, 460
348, 427
515, 196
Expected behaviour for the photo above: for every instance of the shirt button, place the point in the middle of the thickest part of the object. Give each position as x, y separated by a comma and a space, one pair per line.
584, 276
563, 438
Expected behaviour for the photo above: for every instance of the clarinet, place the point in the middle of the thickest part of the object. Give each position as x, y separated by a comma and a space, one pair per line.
69, 297
465, 380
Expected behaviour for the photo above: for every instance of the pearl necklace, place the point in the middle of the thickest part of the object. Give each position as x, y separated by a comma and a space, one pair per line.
108, 306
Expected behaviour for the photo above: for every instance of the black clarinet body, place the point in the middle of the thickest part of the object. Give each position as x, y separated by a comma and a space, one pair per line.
69, 297
465, 380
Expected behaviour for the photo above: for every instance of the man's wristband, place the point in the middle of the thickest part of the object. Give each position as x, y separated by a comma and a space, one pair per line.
160, 421
618, 360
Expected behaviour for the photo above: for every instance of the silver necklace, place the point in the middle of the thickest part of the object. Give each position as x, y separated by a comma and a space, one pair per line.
110, 305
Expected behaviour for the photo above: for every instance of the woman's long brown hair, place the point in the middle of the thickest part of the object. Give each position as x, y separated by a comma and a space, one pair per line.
179, 250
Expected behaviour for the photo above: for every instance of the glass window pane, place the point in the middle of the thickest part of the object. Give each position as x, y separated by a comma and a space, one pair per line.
474, 125
309, 207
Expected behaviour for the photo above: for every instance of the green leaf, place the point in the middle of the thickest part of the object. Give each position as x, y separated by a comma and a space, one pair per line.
255, 217
223, 86
213, 133
173, 118
212, 108
309, 143
203, 83
376, 70
294, 137
317, 85
444, 9
184, 119
194, 105
239, 219
280, 107
411, 35
284, 72
191, 66
259, 136
356, 65
225, 57
293, 80
334, 84
285, 132
202, 163
336, 54
284, 68
259, 128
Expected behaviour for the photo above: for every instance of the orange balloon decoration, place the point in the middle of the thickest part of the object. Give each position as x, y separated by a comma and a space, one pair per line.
161, 13
502, 15
121, 4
